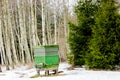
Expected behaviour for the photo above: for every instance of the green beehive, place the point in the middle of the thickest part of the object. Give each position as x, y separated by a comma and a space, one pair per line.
46, 56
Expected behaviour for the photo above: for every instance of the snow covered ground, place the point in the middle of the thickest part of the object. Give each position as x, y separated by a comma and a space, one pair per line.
23, 73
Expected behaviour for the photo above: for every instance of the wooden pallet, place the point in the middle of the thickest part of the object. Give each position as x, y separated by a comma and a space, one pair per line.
60, 73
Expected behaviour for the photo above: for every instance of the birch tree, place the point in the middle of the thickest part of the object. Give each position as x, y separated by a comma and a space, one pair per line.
55, 22
43, 23
13, 53
19, 31
1, 39
7, 35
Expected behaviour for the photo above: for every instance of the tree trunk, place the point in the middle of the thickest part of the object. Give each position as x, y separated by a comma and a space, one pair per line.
21, 36
43, 24
12, 41
55, 23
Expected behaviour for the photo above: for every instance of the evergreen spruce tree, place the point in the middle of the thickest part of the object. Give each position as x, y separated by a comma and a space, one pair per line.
105, 44
80, 35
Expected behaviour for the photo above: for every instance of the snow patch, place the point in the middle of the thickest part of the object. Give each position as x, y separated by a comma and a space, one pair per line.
24, 73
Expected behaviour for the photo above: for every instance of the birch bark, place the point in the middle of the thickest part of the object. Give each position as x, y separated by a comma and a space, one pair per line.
12, 41
43, 23
21, 29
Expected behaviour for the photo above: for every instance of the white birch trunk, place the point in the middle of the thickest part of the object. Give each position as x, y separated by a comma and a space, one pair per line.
35, 22
55, 21
21, 31
43, 23
2, 48
7, 35
32, 23
11, 33
1, 41
25, 43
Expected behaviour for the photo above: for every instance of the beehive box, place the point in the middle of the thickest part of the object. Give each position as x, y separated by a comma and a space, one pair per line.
46, 55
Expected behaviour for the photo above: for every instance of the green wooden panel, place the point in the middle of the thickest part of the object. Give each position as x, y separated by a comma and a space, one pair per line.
54, 66
39, 50
51, 49
39, 59
51, 53
51, 60
39, 54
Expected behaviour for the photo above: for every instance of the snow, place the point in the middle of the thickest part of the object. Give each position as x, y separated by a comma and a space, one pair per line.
24, 73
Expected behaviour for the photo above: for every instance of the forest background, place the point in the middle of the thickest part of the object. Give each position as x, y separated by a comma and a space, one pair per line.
92, 33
